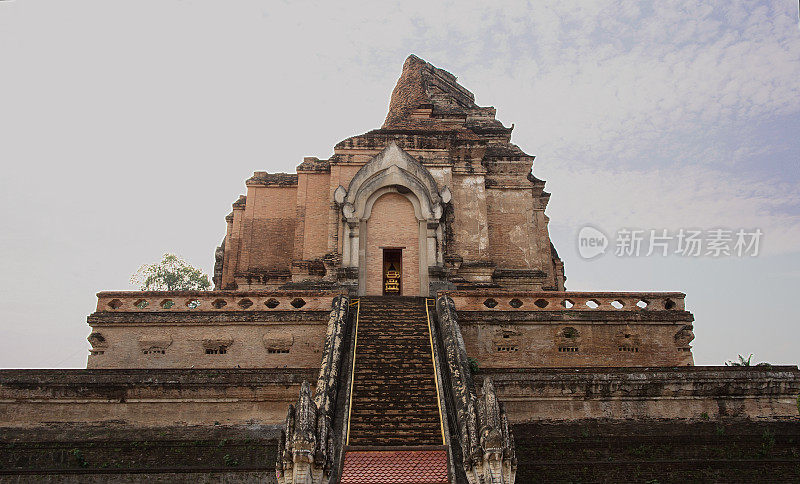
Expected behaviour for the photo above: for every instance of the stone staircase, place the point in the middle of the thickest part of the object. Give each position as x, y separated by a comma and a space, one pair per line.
394, 399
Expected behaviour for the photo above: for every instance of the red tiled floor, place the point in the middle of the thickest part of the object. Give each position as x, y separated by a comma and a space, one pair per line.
395, 467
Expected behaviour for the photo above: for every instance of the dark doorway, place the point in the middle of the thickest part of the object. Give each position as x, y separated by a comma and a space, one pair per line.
392, 271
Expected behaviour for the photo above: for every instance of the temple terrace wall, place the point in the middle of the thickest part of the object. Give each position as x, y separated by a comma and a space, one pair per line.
148, 398
698, 392
574, 329
169, 397
286, 329
729, 450
204, 329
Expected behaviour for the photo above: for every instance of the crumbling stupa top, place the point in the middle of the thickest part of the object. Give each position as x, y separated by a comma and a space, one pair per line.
427, 97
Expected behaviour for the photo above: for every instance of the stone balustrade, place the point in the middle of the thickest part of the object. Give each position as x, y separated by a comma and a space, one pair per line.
221, 301
214, 301
566, 301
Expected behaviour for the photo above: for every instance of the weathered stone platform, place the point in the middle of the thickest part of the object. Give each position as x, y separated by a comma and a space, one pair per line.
286, 329
234, 396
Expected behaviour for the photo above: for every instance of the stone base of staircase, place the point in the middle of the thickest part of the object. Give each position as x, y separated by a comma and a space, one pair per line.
395, 465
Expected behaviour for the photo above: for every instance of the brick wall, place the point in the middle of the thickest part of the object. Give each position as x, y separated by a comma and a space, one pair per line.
574, 329
148, 398
268, 228
470, 230
174, 329
579, 451
297, 344
233, 245
119, 453
511, 234
316, 202
392, 224
511, 344
697, 392
671, 451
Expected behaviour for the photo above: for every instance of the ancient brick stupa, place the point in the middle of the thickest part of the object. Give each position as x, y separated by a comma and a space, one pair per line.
403, 300
439, 191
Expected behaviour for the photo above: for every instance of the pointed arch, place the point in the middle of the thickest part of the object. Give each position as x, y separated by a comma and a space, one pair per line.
391, 167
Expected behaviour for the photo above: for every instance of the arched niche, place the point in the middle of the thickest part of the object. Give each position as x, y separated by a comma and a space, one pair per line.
392, 171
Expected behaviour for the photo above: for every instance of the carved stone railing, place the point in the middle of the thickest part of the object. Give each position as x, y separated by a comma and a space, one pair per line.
215, 301
566, 301
307, 448
486, 443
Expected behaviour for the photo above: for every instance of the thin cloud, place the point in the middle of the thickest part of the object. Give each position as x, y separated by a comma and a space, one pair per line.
129, 127
671, 199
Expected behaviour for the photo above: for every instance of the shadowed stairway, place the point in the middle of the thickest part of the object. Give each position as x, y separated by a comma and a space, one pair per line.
395, 431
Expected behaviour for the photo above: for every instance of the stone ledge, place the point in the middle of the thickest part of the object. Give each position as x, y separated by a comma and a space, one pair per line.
546, 294
634, 393
604, 370
215, 301
207, 317
148, 398
557, 317
85, 379
298, 292
566, 301
650, 377
264, 179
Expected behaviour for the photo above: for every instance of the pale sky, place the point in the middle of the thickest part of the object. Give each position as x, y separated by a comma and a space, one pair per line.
128, 128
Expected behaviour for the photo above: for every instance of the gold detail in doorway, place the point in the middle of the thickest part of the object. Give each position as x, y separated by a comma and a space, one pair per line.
392, 270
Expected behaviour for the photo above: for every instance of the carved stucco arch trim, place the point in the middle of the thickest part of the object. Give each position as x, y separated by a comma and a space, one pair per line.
391, 167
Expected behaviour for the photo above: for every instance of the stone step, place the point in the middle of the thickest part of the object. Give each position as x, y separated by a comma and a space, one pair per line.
394, 399
387, 364
368, 421
391, 380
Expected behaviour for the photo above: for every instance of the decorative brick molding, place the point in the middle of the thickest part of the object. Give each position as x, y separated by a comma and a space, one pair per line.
566, 301
214, 301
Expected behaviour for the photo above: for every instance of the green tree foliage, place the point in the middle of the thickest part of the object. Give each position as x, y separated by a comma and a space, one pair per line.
473, 365
743, 362
171, 274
